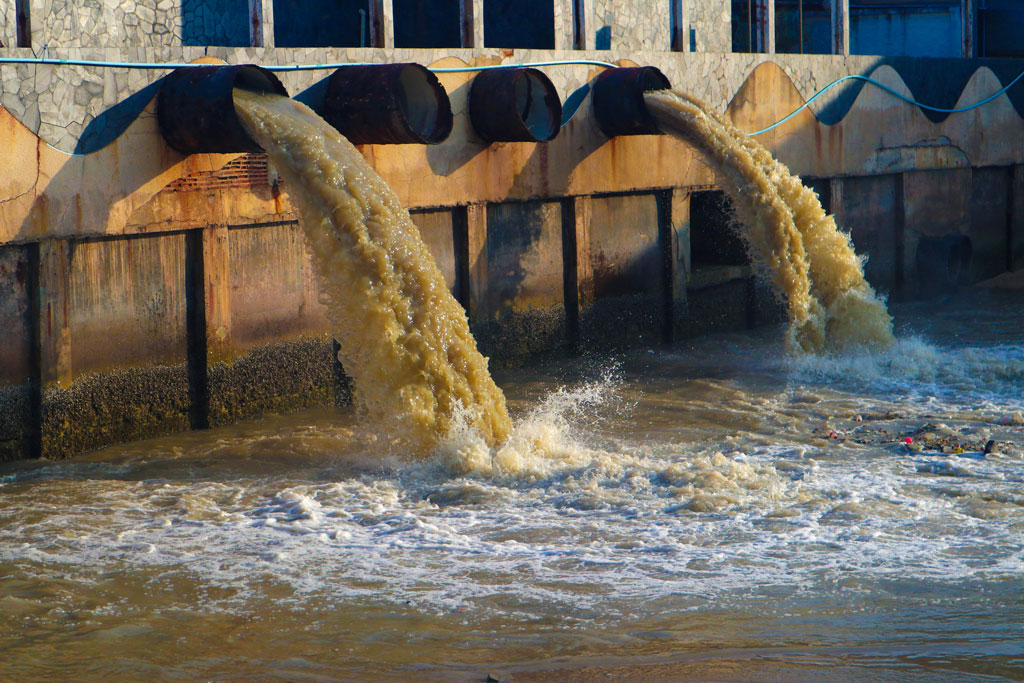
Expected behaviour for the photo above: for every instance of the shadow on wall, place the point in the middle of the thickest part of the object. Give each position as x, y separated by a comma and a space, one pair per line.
935, 82
110, 123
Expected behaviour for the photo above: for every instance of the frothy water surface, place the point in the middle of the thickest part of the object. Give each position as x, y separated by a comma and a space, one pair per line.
719, 509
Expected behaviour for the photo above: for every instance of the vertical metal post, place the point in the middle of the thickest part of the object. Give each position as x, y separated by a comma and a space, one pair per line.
677, 26
840, 27
579, 25
256, 23
766, 26
23, 20
968, 14
380, 33
471, 17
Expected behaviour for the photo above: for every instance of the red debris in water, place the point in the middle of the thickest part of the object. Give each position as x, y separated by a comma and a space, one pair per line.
908, 440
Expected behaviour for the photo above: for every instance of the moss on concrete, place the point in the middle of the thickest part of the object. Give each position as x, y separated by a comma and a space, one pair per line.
15, 422
621, 322
516, 335
113, 407
276, 378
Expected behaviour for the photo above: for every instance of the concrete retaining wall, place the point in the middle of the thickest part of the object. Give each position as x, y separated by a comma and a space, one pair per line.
146, 292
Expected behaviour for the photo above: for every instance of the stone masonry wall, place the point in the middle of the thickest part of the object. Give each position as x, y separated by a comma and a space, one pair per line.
8, 25
711, 21
151, 23
632, 25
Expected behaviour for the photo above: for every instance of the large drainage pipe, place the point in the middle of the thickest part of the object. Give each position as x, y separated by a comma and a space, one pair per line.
387, 104
196, 109
514, 104
618, 100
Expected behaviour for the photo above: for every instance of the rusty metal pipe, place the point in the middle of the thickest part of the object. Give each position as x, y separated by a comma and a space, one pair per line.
514, 104
196, 110
387, 104
618, 100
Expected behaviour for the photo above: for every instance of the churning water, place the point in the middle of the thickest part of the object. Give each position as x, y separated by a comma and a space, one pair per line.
720, 510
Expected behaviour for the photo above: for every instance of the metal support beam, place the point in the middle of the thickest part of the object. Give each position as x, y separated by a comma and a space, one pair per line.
968, 16
765, 19
840, 27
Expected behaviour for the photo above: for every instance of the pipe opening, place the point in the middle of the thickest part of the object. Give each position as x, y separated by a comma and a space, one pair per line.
196, 107
618, 100
256, 79
514, 104
387, 104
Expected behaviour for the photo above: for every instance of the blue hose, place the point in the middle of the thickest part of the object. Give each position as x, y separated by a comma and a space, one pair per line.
891, 92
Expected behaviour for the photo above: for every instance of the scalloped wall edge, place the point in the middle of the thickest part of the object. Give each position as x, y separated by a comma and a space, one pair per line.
122, 188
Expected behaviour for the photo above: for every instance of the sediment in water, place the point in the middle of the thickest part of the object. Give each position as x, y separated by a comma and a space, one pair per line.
405, 340
831, 305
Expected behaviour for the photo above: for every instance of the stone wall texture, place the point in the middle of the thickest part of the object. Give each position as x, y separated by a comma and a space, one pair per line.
631, 25
711, 23
8, 25
610, 24
138, 23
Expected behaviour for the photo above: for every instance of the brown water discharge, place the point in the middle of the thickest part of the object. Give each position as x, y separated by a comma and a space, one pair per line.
831, 305
404, 339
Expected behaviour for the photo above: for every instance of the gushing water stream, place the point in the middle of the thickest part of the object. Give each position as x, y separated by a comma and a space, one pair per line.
831, 305
404, 338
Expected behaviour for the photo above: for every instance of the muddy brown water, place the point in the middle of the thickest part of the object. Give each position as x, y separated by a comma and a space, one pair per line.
716, 510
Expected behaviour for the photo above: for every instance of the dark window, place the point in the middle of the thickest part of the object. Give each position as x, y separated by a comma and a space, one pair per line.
322, 23
215, 22
906, 28
427, 23
519, 23
803, 26
744, 17
999, 29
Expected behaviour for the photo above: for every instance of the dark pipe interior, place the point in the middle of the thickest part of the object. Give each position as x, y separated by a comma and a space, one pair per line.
196, 107
618, 100
387, 104
514, 104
